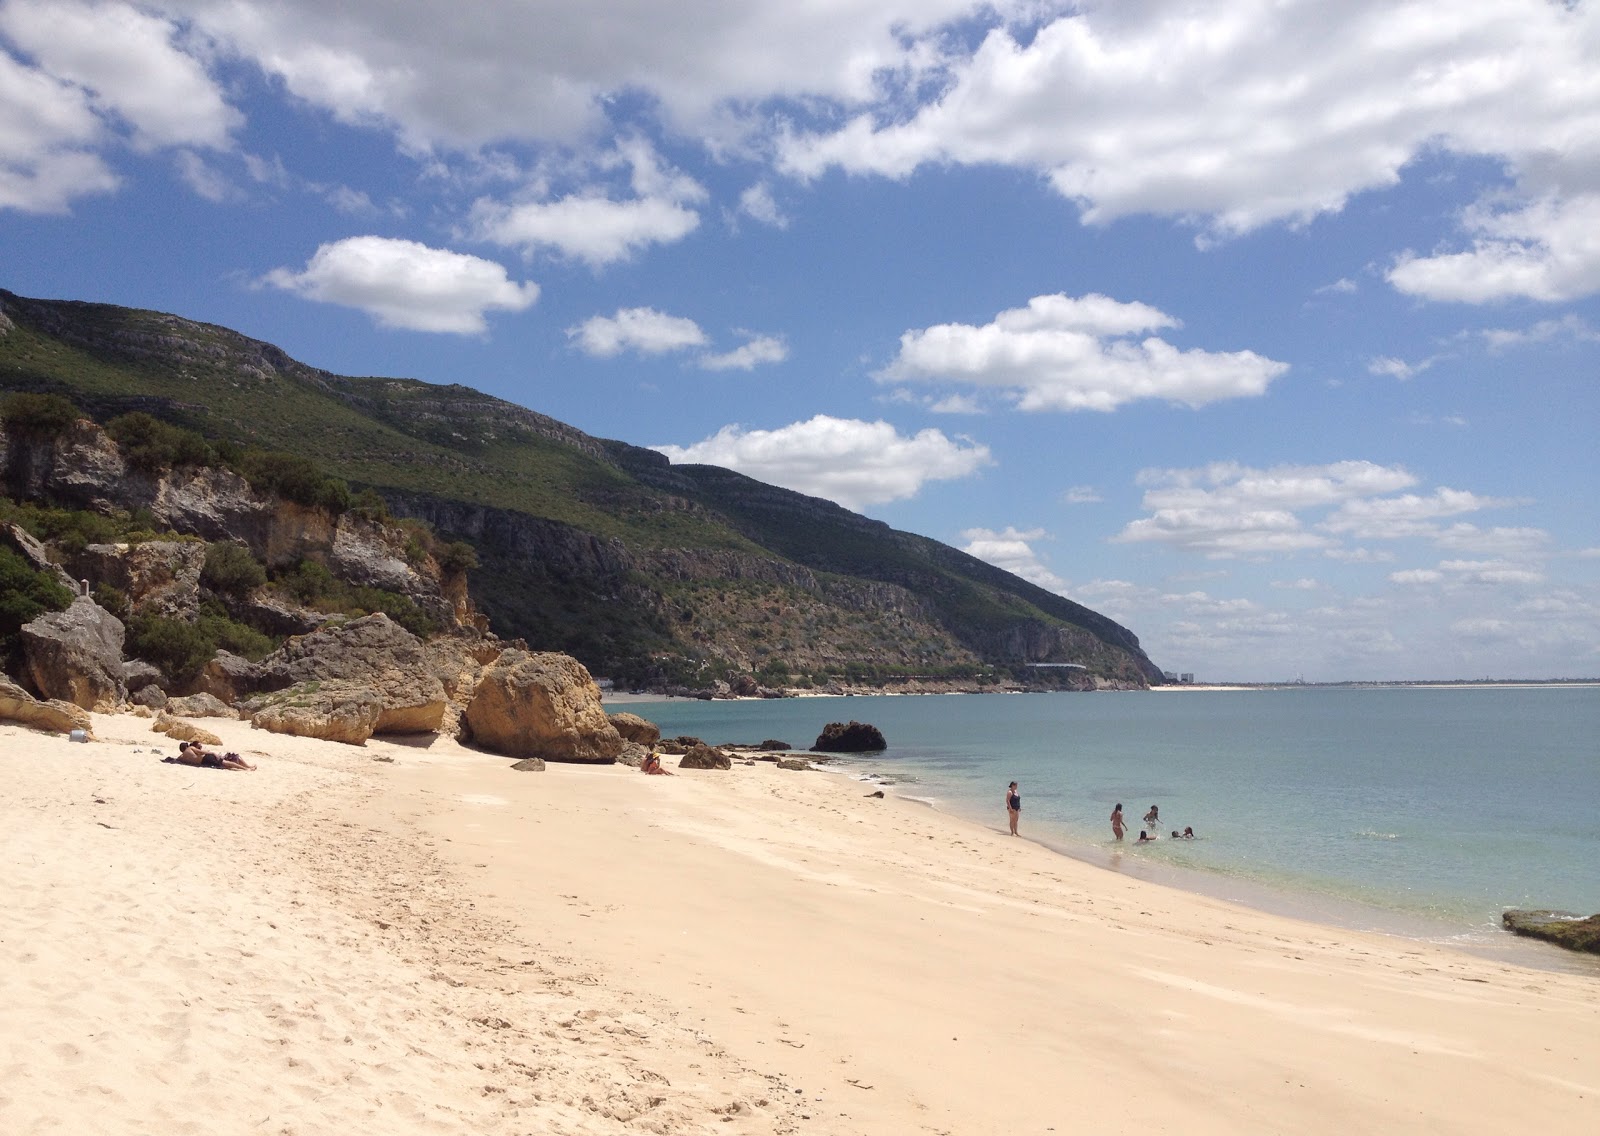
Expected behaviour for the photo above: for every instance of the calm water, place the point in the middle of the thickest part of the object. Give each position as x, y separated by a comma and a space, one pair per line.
1424, 811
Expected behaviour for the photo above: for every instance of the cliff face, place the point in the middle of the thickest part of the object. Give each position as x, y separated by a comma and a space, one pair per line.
654, 573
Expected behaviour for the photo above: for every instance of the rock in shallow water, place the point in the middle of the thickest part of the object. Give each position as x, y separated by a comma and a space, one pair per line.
852, 737
1563, 928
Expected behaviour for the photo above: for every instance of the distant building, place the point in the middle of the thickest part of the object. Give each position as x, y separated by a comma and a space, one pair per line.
1187, 677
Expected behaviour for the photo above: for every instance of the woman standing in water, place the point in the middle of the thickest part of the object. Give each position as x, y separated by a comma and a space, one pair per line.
1013, 806
1116, 821
1152, 821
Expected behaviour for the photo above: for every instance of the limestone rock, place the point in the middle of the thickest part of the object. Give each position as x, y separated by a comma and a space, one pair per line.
159, 577
372, 653
636, 729
632, 754
705, 757
793, 763
852, 737
1563, 928
336, 714
680, 744
22, 542
138, 674
76, 655
17, 705
228, 678
180, 731
150, 697
200, 706
529, 765
541, 704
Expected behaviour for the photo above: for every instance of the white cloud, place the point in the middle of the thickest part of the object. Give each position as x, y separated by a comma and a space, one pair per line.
1012, 549
1225, 509
756, 351
758, 203
846, 460
1399, 368
1081, 495
1359, 555
206, 180
956, 404
644, 330
1344, 286
47, 132
1067, 353
1411, 514
1569, 327
128, 62
1498, 541
1304, 584
1548, 250
404, 284
1417, 576
592, 226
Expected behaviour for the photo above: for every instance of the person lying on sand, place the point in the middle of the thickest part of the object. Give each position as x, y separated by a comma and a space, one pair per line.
193, 753
652, 765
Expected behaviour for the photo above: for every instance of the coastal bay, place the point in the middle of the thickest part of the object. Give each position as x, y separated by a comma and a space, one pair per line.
436, 941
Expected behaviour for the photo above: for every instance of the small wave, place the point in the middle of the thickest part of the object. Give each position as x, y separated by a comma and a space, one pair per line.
1368, 834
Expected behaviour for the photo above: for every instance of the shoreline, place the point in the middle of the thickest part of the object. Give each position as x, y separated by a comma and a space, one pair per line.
409, 934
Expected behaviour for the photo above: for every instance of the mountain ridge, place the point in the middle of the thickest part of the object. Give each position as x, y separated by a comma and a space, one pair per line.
659, 574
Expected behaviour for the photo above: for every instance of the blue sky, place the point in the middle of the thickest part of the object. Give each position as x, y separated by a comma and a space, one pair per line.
1268, 329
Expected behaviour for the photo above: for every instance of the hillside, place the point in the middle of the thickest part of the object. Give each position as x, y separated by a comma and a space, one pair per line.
656, 574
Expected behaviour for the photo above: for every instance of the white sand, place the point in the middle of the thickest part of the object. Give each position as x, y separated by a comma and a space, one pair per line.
440, 944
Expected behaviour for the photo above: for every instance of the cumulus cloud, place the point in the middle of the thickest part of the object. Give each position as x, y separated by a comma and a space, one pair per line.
1399, 368
1077, 353
404, 284
1225, 509
47, 134
1547, 250
644, 330
1417, 576
1081, 495
1012, 549
852, 462
593, 226
1569, 327
756, 351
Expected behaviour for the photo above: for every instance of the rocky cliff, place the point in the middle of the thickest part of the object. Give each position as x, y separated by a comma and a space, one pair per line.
656, 574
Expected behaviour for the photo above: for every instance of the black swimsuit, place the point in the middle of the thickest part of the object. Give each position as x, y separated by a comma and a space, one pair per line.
1014, 803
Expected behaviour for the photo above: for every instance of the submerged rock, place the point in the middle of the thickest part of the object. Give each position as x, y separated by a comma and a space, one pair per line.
1563, 928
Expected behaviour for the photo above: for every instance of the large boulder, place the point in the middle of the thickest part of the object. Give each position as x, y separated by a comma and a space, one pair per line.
228, 678
76, 655
372, 653
335, 714
705, 757
200, 706
636, 729
850, 737
1563, 928
159, 577
540, 704
17, 705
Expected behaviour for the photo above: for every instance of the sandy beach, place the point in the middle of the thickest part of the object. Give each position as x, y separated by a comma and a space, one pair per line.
415, 938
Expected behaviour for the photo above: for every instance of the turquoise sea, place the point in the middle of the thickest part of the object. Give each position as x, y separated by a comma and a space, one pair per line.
1411, 810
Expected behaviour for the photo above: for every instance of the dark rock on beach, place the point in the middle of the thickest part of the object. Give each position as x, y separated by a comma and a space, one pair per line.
793, 763
1563, 928
851, 737
705, 757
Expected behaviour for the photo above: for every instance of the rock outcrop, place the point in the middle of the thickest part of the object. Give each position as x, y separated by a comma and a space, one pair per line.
374, 654
19, 540
336, 714
227, 678
705, 757
1563, 928
851, 737
541, 705
159, 577
180, 731
200, 706
636, 729
17, 705
76, 655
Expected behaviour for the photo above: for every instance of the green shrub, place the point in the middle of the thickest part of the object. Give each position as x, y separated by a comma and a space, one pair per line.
308, 582
314, 586
370, 505
294, 479
223, 631
149, 444
113, 599
38, 415
231, 570
26, 593
456, 557
180, 649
